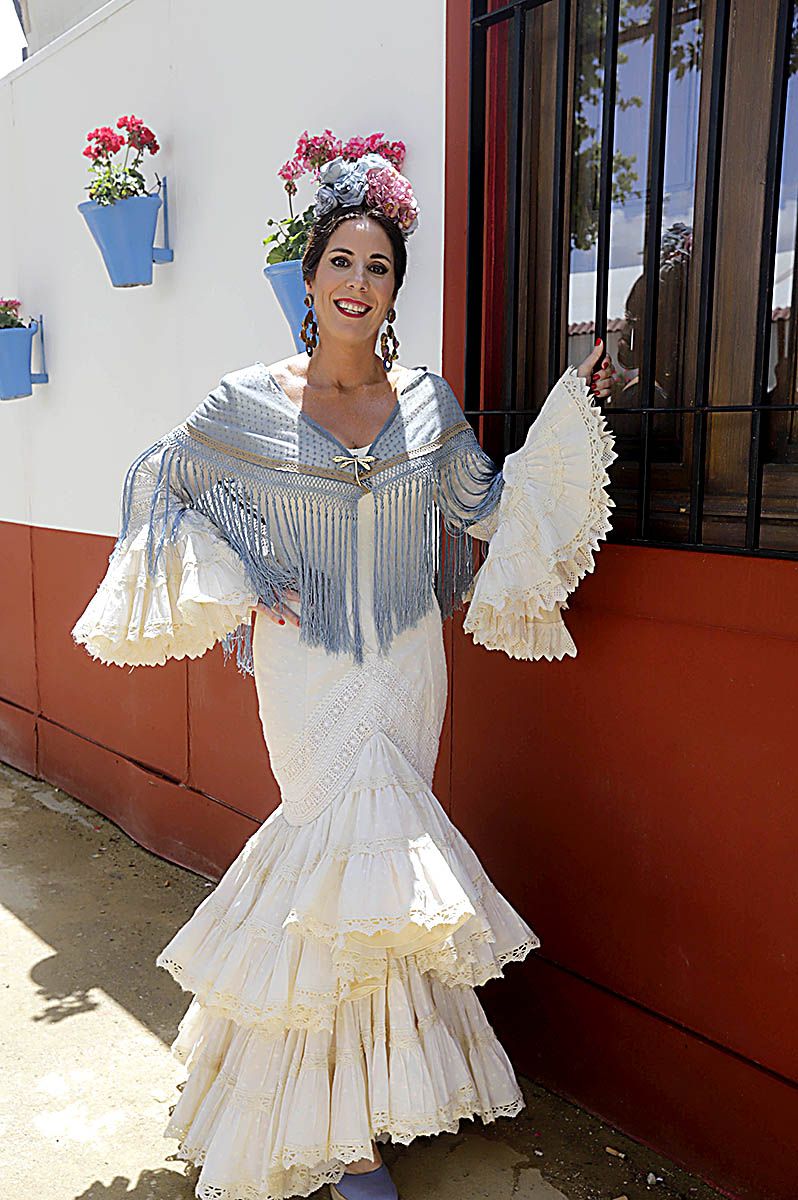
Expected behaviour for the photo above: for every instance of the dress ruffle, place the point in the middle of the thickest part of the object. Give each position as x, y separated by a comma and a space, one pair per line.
553, 513
271, 1117
198, 594
333, 972
308, 916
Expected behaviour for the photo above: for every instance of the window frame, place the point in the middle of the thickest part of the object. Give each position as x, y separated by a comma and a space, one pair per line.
530, 341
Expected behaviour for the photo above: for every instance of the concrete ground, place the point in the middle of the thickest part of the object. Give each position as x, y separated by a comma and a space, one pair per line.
87, 1020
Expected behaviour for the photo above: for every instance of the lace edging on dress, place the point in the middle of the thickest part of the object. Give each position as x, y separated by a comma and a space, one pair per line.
197, 595
553, 514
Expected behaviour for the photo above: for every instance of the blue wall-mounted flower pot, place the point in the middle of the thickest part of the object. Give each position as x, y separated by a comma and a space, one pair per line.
125, 235
289, 288
16, 345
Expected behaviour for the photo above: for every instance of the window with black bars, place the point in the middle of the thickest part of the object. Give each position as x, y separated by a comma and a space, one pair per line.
633, 175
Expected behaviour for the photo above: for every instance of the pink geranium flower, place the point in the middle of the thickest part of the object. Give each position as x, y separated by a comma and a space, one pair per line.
113, 180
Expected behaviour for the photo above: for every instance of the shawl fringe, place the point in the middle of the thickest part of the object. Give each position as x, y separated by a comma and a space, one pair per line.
297, 531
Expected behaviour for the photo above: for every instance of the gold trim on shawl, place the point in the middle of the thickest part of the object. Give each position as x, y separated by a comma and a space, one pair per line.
296, 468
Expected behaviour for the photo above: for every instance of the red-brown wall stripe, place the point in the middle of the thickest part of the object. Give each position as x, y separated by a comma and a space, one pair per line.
638, 804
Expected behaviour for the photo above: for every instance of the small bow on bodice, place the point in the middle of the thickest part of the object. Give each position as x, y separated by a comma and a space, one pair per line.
359, 462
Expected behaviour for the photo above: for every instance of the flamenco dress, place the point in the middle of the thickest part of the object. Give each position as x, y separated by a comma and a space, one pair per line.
333, 969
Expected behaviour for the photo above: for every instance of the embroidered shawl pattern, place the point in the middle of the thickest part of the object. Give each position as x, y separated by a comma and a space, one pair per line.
284, 492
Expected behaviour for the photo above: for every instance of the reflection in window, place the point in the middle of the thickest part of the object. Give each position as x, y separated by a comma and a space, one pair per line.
781, 428
636, 101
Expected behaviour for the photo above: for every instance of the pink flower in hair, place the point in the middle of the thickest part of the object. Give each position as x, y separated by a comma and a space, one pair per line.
392, 192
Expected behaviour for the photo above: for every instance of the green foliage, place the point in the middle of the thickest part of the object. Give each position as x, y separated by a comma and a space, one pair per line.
9, 320
290, 238
636, 23
115, 181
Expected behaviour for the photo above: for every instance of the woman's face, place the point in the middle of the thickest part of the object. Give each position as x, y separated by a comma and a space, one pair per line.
357, 266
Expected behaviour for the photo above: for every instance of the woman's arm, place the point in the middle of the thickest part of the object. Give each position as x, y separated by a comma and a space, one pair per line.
552, 513
174, 586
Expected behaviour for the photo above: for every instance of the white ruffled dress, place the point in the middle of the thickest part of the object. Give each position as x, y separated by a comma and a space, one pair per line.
333, 969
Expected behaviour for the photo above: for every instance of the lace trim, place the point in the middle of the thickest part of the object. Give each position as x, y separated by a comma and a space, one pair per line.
303, 1169
506, 616
368, 699
340, 853
177, 641
455, 965
135, 619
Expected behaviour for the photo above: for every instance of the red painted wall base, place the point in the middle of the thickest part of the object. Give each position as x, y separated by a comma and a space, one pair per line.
637, 804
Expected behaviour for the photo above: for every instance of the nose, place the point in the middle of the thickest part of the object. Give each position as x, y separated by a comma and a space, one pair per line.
358, 277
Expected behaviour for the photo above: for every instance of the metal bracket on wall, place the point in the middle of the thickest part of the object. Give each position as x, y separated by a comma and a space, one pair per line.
163, 253
41, 376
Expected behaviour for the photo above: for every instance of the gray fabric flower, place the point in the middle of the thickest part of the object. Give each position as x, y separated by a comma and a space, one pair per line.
344, 183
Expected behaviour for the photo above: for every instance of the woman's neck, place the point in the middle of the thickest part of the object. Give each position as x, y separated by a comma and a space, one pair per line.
345, 370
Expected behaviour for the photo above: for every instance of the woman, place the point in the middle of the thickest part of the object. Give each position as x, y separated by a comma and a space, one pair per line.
334, 967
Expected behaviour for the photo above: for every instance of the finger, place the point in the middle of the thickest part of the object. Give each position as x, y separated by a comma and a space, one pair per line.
271, 613
589, 364
290, 617
277, 616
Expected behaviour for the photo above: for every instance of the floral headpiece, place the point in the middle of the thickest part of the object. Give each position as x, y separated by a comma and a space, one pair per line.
372, 178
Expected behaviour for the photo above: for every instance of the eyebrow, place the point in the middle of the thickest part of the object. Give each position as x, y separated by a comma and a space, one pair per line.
344, 250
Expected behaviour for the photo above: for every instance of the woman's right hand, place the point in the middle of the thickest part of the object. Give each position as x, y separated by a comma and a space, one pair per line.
280, 614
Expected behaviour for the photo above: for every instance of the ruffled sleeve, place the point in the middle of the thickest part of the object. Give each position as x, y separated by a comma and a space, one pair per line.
553, 511
174, 604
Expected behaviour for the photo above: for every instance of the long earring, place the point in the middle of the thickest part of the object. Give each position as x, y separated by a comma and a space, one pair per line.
309, 329
389, 354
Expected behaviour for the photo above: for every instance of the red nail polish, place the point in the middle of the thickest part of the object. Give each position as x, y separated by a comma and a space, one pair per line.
598, 341
282, 620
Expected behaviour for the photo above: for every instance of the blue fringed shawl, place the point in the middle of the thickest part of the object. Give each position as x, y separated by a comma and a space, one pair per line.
266, 475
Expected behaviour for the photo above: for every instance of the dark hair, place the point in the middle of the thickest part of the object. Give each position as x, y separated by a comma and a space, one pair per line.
323, 229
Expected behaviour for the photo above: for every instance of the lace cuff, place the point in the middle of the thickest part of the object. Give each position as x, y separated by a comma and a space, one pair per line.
553, 512
197, 594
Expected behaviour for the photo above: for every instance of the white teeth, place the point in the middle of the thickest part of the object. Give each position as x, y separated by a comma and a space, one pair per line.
351, 307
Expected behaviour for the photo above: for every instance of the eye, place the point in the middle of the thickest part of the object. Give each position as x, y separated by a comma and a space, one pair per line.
380, 268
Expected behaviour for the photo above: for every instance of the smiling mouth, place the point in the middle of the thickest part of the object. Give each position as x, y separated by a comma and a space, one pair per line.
356, 310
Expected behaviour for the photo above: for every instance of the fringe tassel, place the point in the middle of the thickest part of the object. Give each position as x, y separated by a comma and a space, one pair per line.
240, 642
299, 533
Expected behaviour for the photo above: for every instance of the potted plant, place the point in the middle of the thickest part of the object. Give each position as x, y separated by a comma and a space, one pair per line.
120, 213
288, 241
16, 344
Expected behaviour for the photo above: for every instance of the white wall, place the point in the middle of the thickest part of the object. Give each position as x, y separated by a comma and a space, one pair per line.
46, 20
227, 88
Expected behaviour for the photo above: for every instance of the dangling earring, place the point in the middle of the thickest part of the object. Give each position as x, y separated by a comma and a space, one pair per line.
309, 328
389, 354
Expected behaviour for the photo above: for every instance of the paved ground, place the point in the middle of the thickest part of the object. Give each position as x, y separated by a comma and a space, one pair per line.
87, 1020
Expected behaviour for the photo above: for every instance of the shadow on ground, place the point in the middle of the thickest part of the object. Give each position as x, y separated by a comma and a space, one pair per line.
88, 1019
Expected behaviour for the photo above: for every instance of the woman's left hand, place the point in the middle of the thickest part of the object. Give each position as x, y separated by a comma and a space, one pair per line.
597, 369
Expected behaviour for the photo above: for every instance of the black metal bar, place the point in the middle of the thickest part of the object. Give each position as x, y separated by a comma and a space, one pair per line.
767, 265
792, 328
707, 548
648, 368
513, 215
706, 301
636, 31
558, 230
607, 156
475, 211
505, 12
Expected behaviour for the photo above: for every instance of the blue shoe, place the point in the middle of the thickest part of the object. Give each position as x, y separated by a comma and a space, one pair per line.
372, 1185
